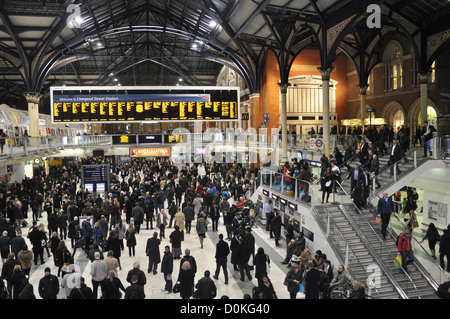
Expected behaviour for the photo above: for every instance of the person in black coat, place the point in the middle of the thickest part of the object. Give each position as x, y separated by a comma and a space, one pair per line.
363, 152
83, 292
186, 280
234, 248
206, 287
444, 249
214, 214
48, 285
167, 268
276, 224
311, 282
293, 280
152, 251
222, 252
113, 243
112, 286
261, 261
37, 238
242, 259
354, 175
395, 156
267, 288
134, 291
427, 136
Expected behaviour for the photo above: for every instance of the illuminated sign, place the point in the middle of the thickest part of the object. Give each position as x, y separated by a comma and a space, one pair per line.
138, 104
150, 152
123, 139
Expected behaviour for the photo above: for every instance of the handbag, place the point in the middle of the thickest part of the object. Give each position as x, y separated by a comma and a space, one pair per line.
416, 224
398, 261
49, 244
43, 242
267, 264
176, 288
378, 220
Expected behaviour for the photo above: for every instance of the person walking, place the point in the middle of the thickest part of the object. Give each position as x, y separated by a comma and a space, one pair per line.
186, 280
161, 223
175, 238
262, 264
311, 282
130, 236
25, 257
242, 259
444, 249
48, 285
385, 211
201, 227
293, 280
180, 220
98, 274
167, 269
152, 251
222, 252
134, 291
140, 275
405, 248
113, 244
188, 212
206, 287
427, 136
112, 287
276, 224
433, 237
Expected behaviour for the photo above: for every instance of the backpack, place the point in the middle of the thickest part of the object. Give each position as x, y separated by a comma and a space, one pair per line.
296, 172
133, 294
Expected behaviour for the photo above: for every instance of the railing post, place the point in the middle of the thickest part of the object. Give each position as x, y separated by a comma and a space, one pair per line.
395, 170
328, 227
346, 257
415, 158
295, 189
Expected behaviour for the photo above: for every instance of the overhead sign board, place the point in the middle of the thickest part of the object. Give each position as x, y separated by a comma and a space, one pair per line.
150, 152
137, 104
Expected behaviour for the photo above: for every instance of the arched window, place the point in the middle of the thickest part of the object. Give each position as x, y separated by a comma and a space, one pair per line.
393, 66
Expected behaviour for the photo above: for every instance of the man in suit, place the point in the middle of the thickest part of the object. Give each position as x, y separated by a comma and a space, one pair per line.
367, 184
363, 152
214, 214
395, 156
385, 210
348, 155
354, 175
427, 136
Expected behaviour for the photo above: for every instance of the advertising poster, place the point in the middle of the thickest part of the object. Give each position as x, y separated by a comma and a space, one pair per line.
437, 211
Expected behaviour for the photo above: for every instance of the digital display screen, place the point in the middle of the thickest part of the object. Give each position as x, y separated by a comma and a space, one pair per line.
103, 104
150, 152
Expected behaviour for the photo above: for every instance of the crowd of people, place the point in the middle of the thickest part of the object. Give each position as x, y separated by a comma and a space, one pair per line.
144, 194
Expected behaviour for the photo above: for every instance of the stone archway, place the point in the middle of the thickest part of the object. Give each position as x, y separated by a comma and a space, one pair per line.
395, 114
415, 117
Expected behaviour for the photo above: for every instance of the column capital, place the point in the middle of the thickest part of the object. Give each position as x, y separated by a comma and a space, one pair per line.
255, 96
283, 87
326, 72
363, 89
424, 77
33, 97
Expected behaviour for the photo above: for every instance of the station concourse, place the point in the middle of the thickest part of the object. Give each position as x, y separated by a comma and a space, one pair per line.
318, 108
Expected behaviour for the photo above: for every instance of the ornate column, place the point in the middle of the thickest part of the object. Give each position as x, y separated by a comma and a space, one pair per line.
33, 112
326, 72
283, 91
423, 80
363, 96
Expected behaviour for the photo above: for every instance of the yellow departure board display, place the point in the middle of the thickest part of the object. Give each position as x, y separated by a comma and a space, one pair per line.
97, 104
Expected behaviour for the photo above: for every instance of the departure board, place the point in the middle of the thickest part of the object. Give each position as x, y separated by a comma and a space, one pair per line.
138, 104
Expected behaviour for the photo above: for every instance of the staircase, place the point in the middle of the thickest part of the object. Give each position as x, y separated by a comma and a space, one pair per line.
413, 283
348, 242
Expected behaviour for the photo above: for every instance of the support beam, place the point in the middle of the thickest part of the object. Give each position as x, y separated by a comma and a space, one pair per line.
283, 92
326, 72
423, 80
363, 96
33, 100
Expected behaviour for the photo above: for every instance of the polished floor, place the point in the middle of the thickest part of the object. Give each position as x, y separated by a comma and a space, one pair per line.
154, 289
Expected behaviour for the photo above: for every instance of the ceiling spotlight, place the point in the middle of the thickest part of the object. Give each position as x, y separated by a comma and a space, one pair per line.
115, 80
111, 74
194, 45
180, 79
212, 23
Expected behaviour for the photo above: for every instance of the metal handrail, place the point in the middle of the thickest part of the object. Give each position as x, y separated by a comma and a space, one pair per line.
419, 265
369, 244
